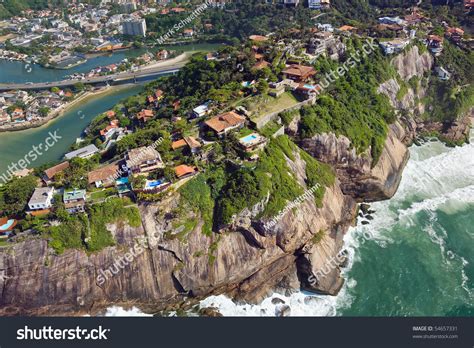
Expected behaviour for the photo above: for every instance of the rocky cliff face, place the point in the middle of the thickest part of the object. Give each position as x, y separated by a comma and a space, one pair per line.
358, 179
245, 260
410, 107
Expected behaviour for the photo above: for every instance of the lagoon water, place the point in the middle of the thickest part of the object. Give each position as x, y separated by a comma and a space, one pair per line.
15, 145
20, 72
416, 258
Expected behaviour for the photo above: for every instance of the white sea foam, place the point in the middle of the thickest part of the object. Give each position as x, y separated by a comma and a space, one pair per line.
117, 311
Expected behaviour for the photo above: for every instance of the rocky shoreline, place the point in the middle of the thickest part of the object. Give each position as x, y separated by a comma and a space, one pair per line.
248, 262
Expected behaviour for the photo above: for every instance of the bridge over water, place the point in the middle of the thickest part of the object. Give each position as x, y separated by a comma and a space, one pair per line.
114, 79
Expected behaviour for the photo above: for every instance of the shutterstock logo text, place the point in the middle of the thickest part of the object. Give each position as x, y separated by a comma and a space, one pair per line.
48, 333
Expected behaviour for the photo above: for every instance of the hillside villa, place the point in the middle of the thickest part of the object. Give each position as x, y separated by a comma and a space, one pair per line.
223, 123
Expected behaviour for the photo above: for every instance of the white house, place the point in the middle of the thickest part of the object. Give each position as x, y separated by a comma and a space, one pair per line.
84, 152
393, 46
201, 110
41, 199
443, 74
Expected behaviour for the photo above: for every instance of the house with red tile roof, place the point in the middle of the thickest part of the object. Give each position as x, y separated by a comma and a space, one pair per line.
299, 73
50, 173
110, 114
183, 171
104, 176
224, 123
110, 130
145, 115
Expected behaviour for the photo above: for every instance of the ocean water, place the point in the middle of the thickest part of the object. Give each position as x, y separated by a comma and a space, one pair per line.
416, 258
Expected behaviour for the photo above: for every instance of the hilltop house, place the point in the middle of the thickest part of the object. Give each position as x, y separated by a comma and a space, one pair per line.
183, 171
435, 44
109, 131
318, 4
201, 110
143, 160
41, 201
110, 114
188, 32
74, 201
223, 123
84, 152
187, 142
393, 46
299, 73
252, 142
308, 91
145, 115
442, 73
103, 177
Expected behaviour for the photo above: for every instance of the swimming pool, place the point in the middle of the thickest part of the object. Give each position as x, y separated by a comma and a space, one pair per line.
248, 138
152, 184
7, 225
121, 181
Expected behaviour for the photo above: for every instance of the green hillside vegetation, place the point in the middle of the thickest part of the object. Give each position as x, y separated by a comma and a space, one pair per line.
352, 106
88, 231
271, 177
451, 99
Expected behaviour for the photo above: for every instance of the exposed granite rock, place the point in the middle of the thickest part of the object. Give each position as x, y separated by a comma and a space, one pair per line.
293, 128
354, 171
454, 132
412, 63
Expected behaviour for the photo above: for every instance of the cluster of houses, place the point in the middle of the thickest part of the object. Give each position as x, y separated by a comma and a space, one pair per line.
67, 31
18, 107
407, 28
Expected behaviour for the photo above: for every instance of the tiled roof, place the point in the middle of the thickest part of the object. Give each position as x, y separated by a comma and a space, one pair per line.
224, 121
183, 170
178, 144
103, 173
51, 172
299, 70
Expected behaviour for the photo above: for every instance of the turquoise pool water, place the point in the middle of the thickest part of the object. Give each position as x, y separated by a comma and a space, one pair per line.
7, 225
249, 138
153, 184
122, 181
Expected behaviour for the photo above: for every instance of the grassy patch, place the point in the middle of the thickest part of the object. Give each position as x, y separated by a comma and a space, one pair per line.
197, 194
261, 106
102, 194
318, 237
317, 174
270, 128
